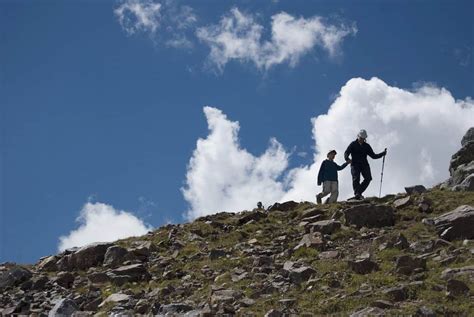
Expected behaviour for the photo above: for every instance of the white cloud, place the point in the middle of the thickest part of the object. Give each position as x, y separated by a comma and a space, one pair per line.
139, 15
102, 223
148, 16
421, 128
238, 36
222, 176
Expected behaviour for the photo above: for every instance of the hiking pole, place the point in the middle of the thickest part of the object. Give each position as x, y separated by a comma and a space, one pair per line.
381, 175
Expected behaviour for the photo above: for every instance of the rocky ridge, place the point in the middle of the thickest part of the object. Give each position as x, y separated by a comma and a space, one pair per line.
410, 253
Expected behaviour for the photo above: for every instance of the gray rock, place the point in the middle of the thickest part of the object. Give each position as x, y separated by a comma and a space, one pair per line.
370, 216
114, 256
311, 240
468, 137
326, 226
217, 253
48, 264
64, 279
88, 256
116, 298
402, 202
301, 274
65, 307
417, 189
129, 273
456, 224
407, 265
175, 308
14, 277
363, 266
397, 294
286, 206
225, 296
253, 215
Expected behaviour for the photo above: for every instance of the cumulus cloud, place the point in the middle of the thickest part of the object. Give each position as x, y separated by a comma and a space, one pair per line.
421, 128
99, 222
223, 176
238, 36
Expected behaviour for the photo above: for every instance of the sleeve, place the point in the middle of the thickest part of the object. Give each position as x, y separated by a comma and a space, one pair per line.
348, 152
371, 153
321, 173
341, 167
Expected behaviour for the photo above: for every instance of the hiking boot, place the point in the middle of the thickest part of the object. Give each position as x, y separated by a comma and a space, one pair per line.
318, 199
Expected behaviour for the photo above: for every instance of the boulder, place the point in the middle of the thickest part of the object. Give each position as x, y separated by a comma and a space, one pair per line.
14, 277
301, 274
174, 308
402, 202
225, 296
417, 189
311, 240
64, 279
407, 264
286, 206
48, 264
114, 256
398, 294
456, 224
363, 266
370, 216
65, 307
326, 226
129, 273
88, 256
116, 298
253, 215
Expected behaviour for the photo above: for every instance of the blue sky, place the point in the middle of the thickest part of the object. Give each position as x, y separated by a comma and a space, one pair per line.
102, 115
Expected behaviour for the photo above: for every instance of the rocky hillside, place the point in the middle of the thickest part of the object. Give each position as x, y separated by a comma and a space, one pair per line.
410, 253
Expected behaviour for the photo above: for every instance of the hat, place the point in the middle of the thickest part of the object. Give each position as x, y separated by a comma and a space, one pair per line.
362, 134
332, 151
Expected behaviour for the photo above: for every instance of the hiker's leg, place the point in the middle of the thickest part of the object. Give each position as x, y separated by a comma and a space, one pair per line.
367, 178
334, 192
326, 189
355, 171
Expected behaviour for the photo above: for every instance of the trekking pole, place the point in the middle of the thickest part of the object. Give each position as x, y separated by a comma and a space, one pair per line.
381, 175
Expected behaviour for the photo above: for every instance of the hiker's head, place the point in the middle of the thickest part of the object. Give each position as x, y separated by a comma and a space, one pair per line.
362, 135
332, 154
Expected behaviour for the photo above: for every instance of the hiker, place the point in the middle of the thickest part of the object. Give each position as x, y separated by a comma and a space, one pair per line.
328, 177
358, 150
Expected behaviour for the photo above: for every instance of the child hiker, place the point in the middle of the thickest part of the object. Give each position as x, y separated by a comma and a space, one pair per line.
328, 177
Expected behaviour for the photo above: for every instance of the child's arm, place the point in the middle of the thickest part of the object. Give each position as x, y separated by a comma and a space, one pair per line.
343, 166
321, 173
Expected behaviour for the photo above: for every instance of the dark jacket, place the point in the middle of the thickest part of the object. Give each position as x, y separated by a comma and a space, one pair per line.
359, 153
328, 171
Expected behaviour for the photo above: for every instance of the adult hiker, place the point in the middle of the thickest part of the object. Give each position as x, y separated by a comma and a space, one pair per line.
328, 177
358, 150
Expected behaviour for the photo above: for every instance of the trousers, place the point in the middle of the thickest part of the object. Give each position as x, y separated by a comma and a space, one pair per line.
330, 187
356, 171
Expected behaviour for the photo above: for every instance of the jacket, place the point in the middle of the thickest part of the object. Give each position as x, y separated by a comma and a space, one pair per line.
359, 153
328, 171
